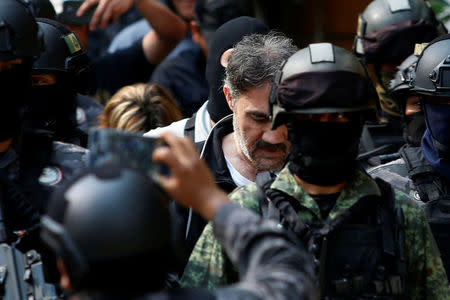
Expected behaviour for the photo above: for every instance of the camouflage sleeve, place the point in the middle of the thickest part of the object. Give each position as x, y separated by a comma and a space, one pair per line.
425, 278
272, 264
208, 266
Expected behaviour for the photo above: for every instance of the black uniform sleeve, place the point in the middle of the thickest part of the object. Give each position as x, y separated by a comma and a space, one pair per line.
272, 264
124, 67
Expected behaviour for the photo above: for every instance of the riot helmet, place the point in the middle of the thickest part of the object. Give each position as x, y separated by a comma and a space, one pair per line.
403, 76
432, 72
19, 33
64, 55
324, 96
311, 82
388, 29
386, 34
108, 226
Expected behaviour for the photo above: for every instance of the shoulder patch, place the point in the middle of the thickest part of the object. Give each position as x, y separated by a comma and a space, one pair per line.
51, 176
72, 43
81, 116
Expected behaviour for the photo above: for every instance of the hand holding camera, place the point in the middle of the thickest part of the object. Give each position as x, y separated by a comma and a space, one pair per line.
191, 183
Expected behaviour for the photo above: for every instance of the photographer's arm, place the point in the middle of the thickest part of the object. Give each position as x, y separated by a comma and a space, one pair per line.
191, 183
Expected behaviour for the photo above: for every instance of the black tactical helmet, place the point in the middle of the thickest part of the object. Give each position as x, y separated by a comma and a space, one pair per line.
43, 9
403, 77
432, 72
19, 33
109, 225
64, 55
322, 78
388, 29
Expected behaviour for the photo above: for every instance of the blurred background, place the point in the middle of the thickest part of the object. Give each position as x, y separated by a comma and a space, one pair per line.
332, 21
305, 21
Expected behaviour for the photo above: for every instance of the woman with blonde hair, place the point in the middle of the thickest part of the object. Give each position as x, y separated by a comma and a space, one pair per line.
140, 107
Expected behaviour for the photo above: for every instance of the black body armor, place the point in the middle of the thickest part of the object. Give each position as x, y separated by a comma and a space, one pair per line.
433, 192
359, 255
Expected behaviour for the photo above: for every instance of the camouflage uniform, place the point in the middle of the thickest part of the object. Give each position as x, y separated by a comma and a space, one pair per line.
425, 277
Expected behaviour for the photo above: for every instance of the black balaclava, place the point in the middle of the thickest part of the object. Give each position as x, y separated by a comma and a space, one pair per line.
324, 153
15, 87
414, 128
225, 38
413, 124
53, 108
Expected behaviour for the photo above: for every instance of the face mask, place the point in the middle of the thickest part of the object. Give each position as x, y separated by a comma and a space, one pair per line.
324, 153
414, 128
14, 87
437, 118
436, 140
53, 108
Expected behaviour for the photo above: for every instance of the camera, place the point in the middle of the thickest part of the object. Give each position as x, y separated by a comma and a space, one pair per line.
122, 148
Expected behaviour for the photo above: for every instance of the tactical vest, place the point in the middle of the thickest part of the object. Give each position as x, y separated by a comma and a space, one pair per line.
359, 255
433, 192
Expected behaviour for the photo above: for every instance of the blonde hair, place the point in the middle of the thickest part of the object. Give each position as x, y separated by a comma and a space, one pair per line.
140, 107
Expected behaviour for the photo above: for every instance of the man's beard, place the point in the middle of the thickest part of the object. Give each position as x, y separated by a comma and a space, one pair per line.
250, 149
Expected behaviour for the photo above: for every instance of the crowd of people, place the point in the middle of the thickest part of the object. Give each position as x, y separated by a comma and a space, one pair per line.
313, 173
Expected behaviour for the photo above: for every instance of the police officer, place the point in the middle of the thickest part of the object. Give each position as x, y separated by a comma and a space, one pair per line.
87, 109
110, 229
324, 97
408, 102
59, 74
386, 34
421, 171
27, 151
409, 159
431, 173
411, 115
20, 44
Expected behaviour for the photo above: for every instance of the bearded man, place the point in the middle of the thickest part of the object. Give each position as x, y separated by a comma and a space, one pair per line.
243, 144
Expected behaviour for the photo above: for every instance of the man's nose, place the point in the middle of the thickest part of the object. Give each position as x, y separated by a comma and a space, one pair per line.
277, 136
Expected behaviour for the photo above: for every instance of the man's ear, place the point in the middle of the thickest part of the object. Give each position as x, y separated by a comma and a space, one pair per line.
226, 57
227, 94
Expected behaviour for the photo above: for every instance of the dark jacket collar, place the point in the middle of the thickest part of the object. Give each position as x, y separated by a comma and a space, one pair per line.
212, 153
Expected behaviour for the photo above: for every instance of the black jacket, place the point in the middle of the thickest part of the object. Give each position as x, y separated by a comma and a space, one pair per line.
189, 224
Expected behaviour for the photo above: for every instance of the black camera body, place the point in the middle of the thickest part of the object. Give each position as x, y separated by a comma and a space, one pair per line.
124, 149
